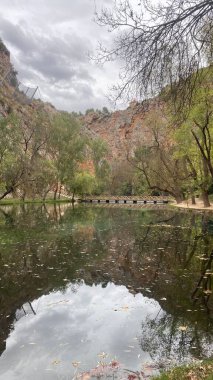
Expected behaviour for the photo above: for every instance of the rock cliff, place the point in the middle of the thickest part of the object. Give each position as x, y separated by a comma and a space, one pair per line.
123, 130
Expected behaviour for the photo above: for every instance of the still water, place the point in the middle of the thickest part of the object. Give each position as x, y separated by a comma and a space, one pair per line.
91, 290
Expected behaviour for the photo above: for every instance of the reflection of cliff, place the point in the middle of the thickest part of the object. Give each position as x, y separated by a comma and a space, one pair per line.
156, 253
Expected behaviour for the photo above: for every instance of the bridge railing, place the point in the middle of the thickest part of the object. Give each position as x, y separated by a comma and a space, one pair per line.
128, 198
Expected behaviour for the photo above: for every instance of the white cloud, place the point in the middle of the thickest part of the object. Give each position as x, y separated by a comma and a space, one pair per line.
49, 43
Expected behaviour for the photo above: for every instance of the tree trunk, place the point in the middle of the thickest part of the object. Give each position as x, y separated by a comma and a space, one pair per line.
45, 195
9, 191
179, 198
23, 196
73, 197
205, 195
193, 200
55, 193
59, 194
205, 198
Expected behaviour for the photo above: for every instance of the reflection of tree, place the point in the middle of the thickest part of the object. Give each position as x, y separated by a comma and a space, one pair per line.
163, 339
150, 251
203, 288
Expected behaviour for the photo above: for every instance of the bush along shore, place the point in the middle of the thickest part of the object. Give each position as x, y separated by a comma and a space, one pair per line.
199, 371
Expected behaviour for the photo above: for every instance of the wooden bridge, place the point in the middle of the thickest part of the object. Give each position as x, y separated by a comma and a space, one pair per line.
138, 200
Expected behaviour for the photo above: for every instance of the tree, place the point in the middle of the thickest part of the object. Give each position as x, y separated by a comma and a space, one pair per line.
89, 110
99, 150
35, 134
122, 178
66, 149
162, 168
159, 44
11, 157
44, 178
83, 183
194, 139
105, 111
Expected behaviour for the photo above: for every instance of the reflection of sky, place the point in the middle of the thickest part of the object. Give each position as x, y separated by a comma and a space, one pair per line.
78, 326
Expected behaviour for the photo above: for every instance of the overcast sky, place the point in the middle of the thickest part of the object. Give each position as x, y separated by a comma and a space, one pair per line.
49, 41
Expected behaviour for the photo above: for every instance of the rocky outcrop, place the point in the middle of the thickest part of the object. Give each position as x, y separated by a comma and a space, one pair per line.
123, 130
5, 64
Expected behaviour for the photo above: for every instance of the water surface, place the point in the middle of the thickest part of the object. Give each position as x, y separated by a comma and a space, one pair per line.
102, 285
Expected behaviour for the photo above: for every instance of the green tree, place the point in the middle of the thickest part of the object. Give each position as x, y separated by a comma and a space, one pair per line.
11, 157
66, 148
194, 138
83, 183
99, 153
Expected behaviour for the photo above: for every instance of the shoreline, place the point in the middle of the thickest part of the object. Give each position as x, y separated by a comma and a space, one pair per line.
187, 205
6, 202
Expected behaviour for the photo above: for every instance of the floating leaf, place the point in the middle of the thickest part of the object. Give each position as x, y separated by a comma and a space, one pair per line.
125, 308
56, 362
103, 355
76, 364
183, 328
208, 291
114, 364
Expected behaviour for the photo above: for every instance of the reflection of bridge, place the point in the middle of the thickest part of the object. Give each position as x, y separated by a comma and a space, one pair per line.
127, 200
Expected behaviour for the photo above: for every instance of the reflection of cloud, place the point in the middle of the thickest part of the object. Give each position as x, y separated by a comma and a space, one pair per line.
76, 327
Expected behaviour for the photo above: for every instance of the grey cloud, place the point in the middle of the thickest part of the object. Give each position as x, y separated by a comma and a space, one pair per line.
49, 44
54, 58
16, 36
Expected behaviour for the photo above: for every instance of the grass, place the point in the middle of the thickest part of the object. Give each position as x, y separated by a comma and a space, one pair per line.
201, 371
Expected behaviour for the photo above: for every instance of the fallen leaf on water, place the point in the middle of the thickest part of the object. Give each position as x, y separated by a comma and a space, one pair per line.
114, 364
207, 291
132, 377
56, 362
125, 308
76, 364
103, 355
182, 328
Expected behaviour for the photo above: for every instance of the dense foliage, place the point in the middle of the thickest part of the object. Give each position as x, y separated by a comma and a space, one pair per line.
48, 154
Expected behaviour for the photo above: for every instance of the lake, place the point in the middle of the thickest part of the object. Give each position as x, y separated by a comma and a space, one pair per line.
100, 290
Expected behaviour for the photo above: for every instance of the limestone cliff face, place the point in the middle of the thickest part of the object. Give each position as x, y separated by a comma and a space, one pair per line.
123, 130
5, 64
